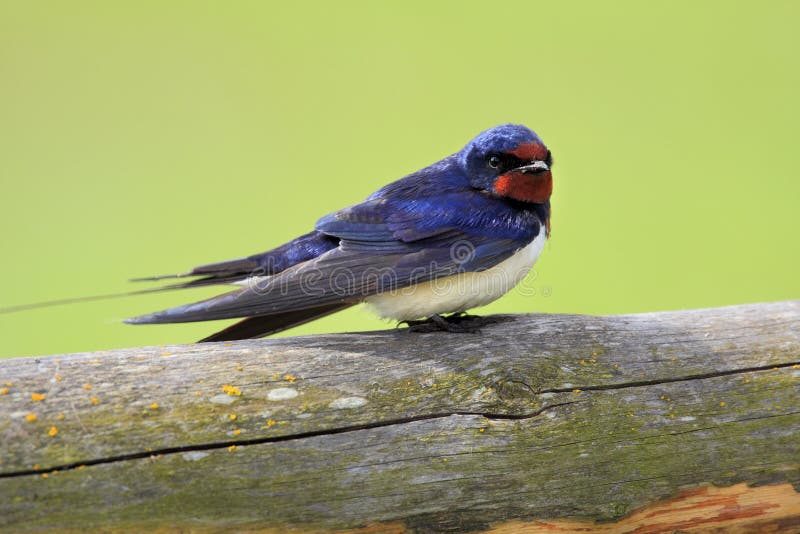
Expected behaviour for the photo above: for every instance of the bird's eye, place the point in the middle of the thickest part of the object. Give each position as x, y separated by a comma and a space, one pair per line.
494, 161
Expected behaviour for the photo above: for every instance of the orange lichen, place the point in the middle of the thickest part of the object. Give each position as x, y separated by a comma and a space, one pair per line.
232, 417
239, 367
722, 404
154, 406
290, 378
228, 345
231, 448
576, 390
232, 391
45, 475
87, 387
36, 467
52, 432
481, 430
8, 384
197, 394
36, 397
58, 378
31, 417
237, 432
166, 354
60, 416
583, 362
270, 422
4, 391
95, 401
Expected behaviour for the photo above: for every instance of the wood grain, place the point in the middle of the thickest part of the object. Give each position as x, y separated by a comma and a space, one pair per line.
538, 420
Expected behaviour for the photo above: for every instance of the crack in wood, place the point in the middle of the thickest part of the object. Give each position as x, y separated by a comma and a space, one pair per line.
390, 422
393, 422
657, 381
275, 439
695, 399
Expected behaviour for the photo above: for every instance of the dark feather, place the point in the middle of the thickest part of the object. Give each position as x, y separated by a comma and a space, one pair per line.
271, 262
340, 277
265, 325
405, 233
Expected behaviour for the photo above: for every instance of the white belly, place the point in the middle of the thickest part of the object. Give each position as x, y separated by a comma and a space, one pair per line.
459, 292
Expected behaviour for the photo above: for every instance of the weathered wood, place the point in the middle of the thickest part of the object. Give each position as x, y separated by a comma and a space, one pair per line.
540, 422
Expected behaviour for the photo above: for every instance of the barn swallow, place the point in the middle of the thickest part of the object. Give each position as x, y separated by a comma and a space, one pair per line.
455, 235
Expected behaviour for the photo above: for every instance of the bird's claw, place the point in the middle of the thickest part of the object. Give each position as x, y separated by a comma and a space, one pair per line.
460, 323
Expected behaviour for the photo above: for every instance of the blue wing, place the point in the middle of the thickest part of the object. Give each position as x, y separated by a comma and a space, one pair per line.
391, 240
303, 248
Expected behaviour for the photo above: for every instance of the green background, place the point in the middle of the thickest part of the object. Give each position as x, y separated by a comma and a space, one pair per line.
141, 138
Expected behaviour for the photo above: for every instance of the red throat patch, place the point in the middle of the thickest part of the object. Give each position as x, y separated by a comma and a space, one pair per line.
526, 187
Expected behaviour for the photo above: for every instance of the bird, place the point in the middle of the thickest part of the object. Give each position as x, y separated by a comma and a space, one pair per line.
422, 250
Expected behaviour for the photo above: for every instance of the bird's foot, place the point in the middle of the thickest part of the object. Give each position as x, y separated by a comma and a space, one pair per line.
435, 323
460, 323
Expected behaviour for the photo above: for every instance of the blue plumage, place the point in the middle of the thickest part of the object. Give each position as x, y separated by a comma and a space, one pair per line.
492, 195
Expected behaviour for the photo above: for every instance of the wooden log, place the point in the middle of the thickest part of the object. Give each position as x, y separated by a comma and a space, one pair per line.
663, 421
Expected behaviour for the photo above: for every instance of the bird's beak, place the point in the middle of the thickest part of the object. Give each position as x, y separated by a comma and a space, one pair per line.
533, 168
529, 183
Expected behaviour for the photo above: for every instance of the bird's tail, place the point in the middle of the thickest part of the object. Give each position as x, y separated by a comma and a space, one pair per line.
264, 325
200, 282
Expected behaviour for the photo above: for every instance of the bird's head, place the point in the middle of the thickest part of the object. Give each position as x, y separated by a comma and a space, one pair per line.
509, 161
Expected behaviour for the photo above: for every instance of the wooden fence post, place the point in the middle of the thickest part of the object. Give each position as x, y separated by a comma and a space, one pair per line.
686, 421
